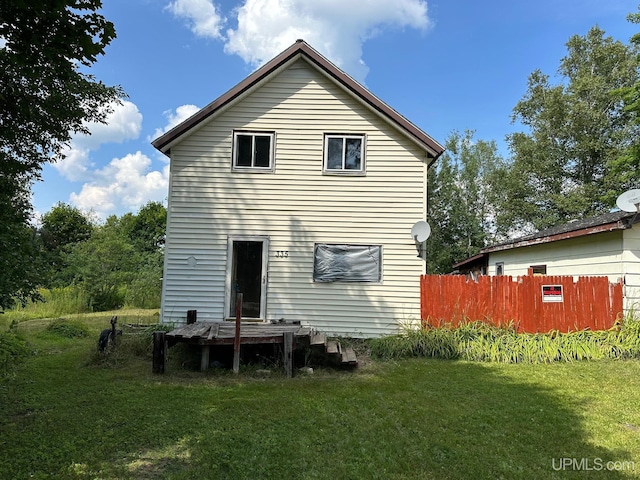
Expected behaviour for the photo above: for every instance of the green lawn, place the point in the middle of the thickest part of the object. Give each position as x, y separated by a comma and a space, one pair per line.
63, 417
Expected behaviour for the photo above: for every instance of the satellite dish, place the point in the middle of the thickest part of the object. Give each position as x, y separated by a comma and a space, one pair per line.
629, 201
420, 231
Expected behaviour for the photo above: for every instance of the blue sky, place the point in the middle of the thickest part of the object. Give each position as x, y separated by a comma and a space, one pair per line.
444, 64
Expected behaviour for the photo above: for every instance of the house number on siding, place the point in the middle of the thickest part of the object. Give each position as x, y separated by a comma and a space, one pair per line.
282, 253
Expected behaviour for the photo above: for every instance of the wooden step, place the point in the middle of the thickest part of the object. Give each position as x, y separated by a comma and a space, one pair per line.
333, 348
318, 339
349, 356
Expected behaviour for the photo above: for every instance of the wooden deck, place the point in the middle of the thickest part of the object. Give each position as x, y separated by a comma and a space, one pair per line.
208, 334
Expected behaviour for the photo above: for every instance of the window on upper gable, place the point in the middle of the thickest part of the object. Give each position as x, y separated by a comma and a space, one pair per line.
344, 153
253, 151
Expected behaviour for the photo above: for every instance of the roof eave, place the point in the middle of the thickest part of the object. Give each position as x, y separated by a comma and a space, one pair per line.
608, 227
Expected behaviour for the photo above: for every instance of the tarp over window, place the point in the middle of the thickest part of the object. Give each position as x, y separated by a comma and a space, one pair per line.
347, 263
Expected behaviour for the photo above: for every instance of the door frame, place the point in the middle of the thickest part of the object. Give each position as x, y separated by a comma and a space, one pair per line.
264, 239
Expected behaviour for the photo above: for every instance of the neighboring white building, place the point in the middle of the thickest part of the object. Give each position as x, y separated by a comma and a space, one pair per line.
606, 245
299, 188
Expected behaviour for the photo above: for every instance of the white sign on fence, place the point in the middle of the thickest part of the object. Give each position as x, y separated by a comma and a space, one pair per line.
552, 293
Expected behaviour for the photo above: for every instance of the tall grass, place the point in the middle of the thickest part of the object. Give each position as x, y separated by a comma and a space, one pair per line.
71, 300
56, 302
478, 341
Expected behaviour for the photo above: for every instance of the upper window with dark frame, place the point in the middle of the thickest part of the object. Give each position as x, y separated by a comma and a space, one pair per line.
538, 269
343, 153
253, 150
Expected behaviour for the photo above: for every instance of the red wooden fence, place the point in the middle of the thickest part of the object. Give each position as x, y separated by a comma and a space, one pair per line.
590, 303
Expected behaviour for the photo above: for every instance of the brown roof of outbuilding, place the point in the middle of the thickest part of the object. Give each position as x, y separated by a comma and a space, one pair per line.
607, 222
602, 223
301, 48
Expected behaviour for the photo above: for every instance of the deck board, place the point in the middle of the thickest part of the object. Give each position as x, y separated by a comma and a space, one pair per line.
216, 333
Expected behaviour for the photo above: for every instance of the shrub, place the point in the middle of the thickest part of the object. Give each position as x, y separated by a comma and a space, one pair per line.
68, 328
477, 341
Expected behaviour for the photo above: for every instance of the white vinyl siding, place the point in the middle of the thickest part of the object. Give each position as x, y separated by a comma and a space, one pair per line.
613, 254
575, 256
631, 265
297, 207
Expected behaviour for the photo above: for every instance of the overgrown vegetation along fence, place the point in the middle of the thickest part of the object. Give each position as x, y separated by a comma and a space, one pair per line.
532, 303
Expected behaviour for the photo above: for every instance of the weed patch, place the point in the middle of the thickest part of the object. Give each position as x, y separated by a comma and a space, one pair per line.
136, 342
13, 350
68, 328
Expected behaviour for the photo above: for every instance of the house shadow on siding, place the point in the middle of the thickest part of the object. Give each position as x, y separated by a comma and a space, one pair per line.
336, 308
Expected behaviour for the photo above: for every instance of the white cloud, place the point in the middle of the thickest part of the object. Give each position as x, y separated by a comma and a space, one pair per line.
266, 27
201, 15
174, 118
123, 123
125, 183
337, 30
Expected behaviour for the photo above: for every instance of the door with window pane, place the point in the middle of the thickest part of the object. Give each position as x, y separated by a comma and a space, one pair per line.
247, 274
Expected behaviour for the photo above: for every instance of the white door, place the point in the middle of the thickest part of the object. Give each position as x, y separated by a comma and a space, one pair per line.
247, 258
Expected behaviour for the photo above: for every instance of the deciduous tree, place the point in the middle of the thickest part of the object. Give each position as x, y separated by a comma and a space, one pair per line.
46, 48
565, 166
460, 201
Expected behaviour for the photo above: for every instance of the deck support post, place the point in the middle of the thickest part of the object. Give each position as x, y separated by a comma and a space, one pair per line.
204, 358
236, 340
159, 352
288, 353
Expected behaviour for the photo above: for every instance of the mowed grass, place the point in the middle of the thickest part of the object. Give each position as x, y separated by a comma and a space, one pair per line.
66, 416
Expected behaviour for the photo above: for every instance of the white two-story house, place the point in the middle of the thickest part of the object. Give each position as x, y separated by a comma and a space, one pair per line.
297, 187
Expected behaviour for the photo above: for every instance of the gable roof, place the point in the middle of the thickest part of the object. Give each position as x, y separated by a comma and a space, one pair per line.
607, 222
301, 49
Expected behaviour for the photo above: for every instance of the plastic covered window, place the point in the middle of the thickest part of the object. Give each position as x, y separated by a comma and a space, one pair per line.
347, 263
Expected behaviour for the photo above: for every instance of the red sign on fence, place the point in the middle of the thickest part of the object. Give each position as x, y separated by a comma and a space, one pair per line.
589, 303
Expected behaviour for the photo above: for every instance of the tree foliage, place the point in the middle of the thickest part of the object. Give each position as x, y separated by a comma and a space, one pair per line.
113, 265
62, 227
45, 96
460, 200
566, 165
628, 164
146, 230
102, 265
19, 254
